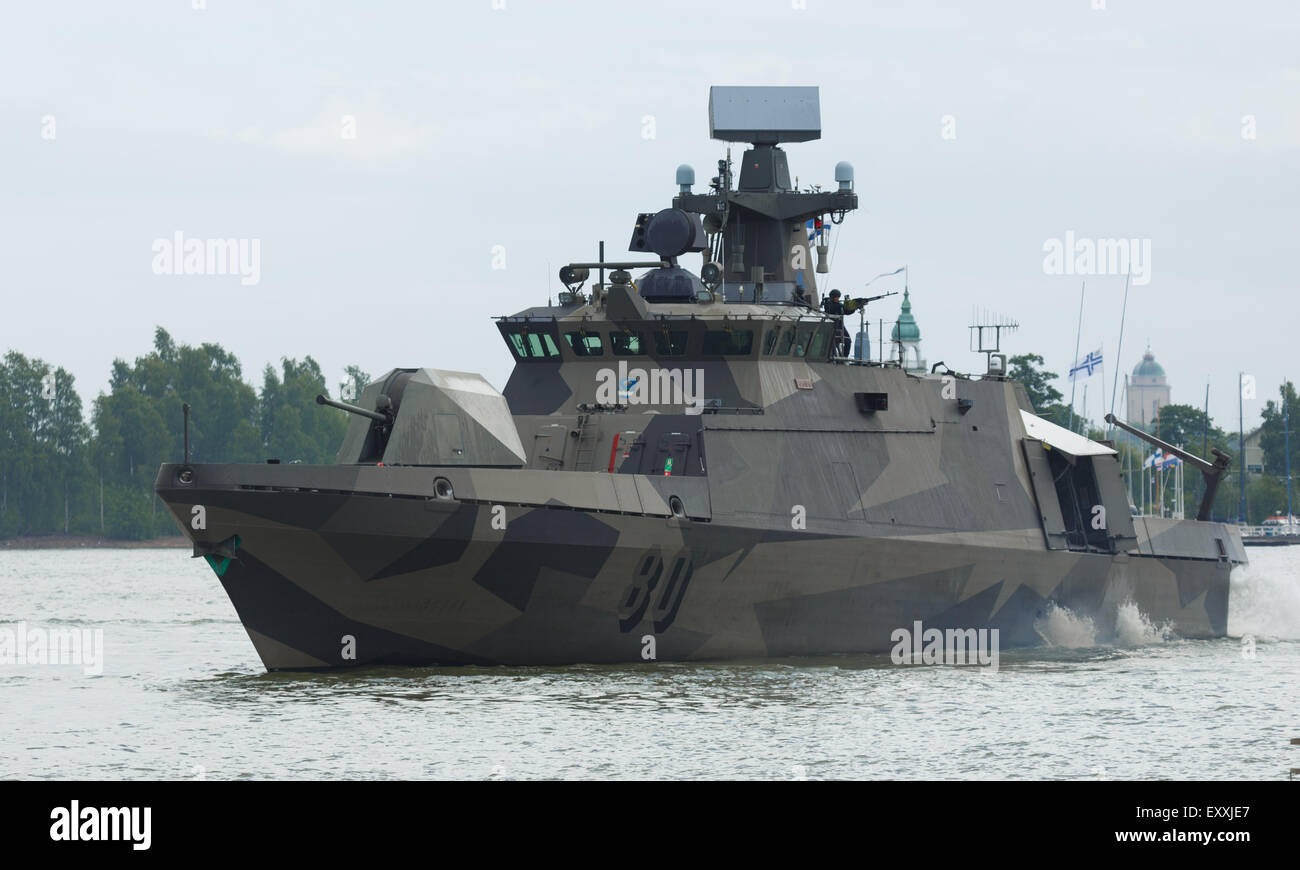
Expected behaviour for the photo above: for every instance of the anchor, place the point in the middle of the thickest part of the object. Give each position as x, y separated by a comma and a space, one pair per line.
218, 555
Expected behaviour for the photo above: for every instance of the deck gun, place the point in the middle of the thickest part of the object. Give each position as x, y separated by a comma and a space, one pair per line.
1211, 471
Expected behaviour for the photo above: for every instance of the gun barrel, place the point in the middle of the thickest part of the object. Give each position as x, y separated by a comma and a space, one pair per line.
1211, 471
1190, 458
351, 409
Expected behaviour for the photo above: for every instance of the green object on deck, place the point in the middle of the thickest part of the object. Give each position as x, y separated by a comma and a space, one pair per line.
220, 564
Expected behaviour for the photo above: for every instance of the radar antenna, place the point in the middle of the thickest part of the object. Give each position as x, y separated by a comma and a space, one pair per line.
754, 201
986, 337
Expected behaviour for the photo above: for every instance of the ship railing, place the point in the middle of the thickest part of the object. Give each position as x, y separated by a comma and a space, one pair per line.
1273, 531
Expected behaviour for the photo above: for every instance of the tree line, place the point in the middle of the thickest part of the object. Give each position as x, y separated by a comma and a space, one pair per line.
60, 474
1190, 428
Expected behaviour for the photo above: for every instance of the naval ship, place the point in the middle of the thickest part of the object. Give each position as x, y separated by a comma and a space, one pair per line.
688, 462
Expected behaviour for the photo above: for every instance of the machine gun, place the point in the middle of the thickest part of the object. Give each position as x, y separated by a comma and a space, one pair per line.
859, 303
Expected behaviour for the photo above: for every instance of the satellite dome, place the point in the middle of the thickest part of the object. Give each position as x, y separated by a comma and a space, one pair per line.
669, 284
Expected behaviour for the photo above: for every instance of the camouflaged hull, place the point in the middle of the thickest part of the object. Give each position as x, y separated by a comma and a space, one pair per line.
793, 522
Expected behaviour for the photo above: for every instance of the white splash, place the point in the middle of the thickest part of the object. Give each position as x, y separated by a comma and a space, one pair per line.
1264, 596
1061, 626
1132, 628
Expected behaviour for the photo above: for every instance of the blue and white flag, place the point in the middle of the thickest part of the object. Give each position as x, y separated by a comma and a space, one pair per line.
1087, 366
1161, 460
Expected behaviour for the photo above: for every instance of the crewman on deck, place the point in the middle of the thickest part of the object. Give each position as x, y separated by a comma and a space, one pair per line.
835, 308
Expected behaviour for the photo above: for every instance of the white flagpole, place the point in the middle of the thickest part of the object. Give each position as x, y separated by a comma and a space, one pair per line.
1119, 348
1078, 334
1103, 379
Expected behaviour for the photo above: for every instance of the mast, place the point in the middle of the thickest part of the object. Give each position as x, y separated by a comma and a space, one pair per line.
1103, 382
1241, 442
1205, 432
1286, 433
1128, 454
742, 222
1078, 333
1119, 349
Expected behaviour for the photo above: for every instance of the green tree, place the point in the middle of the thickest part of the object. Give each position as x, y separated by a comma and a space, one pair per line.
128, 514
1184, 426
1272, 437
294, 427
1189, 428
1265, 496
133, 438
44, 477
57, 474
1026, 368
139, 424
1045, 398
353, 384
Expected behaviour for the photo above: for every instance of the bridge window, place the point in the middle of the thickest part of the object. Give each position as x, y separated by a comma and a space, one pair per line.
585, 343
528, 344
728, 343
769, 341
627, 343
817, 350
787, 342
670, 343
801, 342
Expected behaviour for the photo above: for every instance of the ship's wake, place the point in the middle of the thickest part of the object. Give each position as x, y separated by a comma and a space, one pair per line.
1133, 628
1060, 626
1264, 601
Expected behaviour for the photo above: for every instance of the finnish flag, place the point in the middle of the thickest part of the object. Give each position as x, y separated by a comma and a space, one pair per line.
1087, 366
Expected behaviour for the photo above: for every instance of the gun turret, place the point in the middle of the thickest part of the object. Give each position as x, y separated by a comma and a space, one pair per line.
377, 416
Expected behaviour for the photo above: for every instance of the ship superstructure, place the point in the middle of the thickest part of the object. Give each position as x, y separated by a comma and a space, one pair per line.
688, 461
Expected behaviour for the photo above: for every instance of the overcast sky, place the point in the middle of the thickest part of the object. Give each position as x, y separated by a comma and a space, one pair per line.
526, 127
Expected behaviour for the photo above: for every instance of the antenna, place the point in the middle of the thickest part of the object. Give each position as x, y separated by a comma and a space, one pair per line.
986, 338
764, 115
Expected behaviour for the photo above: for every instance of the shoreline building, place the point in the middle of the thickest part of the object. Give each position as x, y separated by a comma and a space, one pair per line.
907, 336
1148, 391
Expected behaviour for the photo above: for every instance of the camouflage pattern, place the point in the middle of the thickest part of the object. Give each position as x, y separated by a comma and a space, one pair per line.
918, 512
695, 479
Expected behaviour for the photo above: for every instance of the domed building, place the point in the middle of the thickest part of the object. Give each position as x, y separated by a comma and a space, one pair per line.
1148, 390
906, 335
